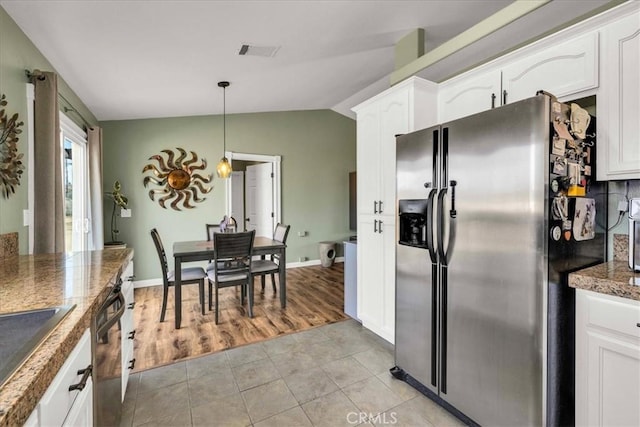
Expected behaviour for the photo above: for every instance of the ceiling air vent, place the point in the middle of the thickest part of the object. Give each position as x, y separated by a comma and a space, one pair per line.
266, 51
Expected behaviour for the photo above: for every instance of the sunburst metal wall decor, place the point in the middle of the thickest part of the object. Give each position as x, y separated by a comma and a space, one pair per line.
11, 167
177, 177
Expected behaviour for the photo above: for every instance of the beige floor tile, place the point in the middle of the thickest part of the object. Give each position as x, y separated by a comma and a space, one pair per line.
310, 384
332, 410
255, 373
346, 371
294, 417
268, 399
229, 411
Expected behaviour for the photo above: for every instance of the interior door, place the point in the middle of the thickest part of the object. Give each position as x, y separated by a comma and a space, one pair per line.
260, 199
237, 199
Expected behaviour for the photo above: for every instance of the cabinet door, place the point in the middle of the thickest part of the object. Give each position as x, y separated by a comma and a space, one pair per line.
607, 354
470, 95
376, 275
368, 160
613, 381
618, 101
370, 273
81, 414
394, 120
562, 70
127, 326
57, 401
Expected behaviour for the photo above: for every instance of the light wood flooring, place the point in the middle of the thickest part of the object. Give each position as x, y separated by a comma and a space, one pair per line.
315, 297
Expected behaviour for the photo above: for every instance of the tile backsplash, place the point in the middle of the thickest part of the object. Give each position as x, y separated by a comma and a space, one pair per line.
8, 245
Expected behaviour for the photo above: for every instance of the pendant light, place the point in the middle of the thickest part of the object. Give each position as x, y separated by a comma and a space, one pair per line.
224, 167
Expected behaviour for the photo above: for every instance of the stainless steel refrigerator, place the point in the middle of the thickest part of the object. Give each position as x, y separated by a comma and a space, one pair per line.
484, 316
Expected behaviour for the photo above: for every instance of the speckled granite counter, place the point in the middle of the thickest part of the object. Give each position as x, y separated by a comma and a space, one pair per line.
611, 278
40, 281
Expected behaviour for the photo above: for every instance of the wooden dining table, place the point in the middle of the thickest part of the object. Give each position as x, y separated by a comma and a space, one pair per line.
204, 250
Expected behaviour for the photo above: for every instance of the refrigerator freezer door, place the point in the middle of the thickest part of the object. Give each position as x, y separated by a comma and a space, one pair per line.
416, 336
497, 274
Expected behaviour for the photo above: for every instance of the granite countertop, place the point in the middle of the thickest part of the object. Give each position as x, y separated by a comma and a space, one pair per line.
611, 278
29, 282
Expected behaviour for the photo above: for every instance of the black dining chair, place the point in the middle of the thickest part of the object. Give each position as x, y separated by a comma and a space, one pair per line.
189, 275
232, 266
262, 267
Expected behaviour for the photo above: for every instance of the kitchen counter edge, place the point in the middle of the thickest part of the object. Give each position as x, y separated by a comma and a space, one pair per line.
610, 278
20, 395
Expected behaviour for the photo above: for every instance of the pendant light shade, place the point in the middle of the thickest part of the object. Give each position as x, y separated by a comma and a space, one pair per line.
224, 166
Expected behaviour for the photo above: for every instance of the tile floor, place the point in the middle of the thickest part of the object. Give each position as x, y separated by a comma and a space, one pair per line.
334, 375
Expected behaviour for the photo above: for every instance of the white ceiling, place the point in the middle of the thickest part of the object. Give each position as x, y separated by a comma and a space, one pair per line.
142, 58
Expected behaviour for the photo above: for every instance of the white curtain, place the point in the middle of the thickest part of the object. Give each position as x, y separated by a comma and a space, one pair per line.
96, 229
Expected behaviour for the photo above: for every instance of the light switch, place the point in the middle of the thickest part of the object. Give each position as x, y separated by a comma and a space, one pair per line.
25, 217
125, 213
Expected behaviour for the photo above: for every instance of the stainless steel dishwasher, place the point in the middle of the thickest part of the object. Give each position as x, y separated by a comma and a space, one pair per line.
107, 357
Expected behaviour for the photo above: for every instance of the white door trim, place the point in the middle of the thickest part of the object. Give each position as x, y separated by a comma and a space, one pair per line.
275, 160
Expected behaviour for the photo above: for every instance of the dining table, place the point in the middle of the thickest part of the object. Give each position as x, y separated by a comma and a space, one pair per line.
204, 250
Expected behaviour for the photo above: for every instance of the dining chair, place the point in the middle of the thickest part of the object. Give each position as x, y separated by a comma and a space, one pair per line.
232, 266
262, 267
189, 275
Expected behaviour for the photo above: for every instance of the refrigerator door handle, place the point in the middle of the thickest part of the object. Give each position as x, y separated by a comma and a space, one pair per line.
445, 255
440, 232
430, 245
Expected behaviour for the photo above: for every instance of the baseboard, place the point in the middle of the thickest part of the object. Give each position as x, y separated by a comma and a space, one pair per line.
158, 281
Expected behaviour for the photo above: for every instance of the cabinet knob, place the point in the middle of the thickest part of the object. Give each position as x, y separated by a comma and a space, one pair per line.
132, 363
132, 334
379, 226
131, 305
493, 100
380, 206
504, 97
375, 206
375, 225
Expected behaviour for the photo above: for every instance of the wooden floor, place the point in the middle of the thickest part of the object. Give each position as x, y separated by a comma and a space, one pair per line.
315, 297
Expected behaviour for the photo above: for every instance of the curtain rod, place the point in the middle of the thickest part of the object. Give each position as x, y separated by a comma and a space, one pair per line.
70, 108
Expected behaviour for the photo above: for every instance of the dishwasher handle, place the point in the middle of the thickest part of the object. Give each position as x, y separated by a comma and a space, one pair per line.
117, 301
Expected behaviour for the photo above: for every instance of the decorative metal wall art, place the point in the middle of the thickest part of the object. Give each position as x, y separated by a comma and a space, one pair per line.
177, 177
11, 167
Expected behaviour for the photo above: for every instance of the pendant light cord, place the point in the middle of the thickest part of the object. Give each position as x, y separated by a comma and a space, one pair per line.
224, 121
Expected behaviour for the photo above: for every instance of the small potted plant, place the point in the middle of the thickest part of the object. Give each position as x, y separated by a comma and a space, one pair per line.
121, 201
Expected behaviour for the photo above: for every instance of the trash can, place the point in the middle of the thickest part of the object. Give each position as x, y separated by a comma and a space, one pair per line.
327, 253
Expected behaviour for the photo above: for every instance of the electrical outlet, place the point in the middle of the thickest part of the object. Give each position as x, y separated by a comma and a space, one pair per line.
125, 213
302, 259
623, 205
302, 233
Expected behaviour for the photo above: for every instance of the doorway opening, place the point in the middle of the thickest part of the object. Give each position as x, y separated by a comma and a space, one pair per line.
253, 192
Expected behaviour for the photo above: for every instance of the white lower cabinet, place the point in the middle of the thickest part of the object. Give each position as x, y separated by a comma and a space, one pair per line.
69, 399
376, 278
127, 326
607, 360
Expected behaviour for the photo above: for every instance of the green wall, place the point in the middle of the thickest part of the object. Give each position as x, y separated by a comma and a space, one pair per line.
318, 151
18, 54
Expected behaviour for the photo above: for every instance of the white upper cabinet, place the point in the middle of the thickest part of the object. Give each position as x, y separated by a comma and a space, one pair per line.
560, 67
618, 101
563, 69
469, 95
408, 106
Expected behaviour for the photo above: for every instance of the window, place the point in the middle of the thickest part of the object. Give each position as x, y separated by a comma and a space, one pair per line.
76, 185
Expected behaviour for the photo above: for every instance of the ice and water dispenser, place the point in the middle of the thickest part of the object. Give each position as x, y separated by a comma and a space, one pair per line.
413, 223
